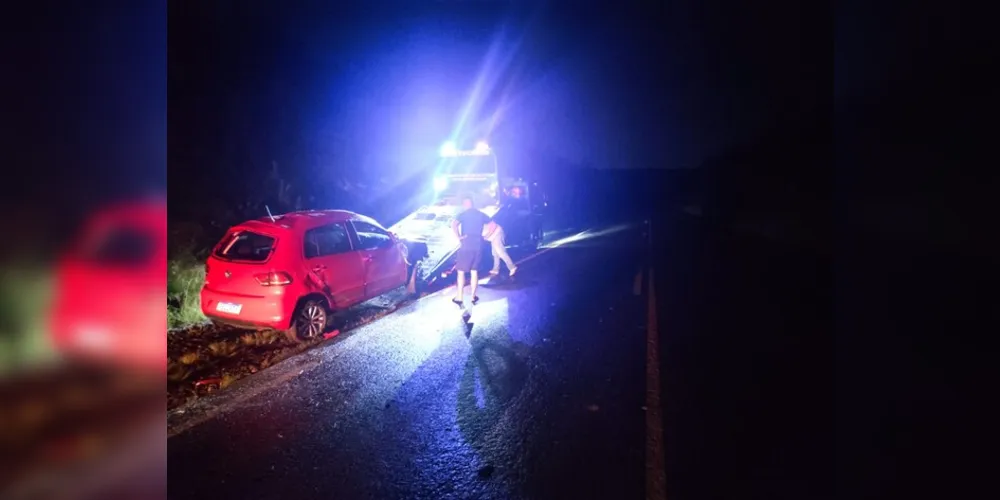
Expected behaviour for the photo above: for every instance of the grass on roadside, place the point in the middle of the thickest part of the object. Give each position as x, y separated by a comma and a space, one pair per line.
188, 248
185, 277
25, 292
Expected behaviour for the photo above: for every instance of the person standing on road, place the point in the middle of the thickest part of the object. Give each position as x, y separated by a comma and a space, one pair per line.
517, 202
493, 233
468, 227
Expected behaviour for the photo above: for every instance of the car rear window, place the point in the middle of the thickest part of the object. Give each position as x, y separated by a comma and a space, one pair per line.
245, 245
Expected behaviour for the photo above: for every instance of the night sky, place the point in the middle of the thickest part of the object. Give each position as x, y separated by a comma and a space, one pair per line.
602, 87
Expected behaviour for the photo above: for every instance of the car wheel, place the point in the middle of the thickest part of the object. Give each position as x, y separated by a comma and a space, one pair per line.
309, 322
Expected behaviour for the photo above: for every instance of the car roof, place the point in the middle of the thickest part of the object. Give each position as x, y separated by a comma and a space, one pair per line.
307, 219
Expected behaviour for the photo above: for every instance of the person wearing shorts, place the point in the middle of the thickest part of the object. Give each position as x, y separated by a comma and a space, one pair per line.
468, 227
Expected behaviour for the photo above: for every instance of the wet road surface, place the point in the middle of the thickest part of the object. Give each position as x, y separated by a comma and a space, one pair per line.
540, 395
543, 393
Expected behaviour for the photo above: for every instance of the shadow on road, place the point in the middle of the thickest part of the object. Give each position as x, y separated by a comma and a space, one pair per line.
494, 374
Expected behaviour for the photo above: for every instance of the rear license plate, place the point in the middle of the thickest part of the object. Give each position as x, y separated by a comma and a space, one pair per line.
229, 307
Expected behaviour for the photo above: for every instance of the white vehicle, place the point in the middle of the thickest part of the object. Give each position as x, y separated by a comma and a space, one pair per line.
467, 172
427, 232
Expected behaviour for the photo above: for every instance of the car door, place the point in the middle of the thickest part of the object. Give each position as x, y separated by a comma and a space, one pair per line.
385, 267
334, 266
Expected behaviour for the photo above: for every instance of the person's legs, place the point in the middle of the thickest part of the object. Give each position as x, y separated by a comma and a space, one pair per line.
461, 286
464, 262
500, 250
497, 246
472, 258
473, 283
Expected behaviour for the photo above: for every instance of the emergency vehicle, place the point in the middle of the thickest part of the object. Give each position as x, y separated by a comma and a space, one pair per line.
430, 243
523, 208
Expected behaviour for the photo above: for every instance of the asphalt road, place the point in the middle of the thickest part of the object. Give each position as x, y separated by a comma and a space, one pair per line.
541, 394
744, 323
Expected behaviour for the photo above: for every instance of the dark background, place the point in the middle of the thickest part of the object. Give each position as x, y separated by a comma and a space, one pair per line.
904, 210
627, 103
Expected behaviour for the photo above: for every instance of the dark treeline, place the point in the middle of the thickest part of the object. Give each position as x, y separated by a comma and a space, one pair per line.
776, 183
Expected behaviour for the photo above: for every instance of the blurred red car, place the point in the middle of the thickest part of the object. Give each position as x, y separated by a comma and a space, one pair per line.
110, 288
292, 272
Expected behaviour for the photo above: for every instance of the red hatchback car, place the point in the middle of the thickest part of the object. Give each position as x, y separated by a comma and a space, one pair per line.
111, 285
291, 272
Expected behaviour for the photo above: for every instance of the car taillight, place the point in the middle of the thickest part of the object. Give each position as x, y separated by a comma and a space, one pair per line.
275, 278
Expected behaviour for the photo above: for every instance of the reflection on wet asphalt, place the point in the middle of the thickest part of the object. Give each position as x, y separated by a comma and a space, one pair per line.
538, 395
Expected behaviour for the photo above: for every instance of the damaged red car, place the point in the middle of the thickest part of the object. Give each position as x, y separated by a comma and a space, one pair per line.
291, 272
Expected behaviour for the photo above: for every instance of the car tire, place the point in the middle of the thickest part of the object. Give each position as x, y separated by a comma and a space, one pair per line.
309, 322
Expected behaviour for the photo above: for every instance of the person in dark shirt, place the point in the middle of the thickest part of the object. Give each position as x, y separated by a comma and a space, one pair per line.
517, 202
513, 218
468, 227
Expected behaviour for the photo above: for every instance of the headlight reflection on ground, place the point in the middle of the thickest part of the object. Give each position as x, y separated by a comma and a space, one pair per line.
423, 325
585, 235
